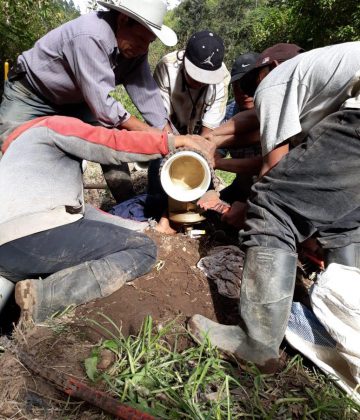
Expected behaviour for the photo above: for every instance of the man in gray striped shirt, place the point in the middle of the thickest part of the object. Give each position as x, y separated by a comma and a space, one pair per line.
73, 69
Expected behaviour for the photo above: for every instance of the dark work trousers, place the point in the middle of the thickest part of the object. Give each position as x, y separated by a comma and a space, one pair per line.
154, 183
314, 188
109, 250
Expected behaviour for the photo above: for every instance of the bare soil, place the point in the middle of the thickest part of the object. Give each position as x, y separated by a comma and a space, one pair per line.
174, 289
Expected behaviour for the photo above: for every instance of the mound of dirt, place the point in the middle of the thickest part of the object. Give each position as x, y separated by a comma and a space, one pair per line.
175, 288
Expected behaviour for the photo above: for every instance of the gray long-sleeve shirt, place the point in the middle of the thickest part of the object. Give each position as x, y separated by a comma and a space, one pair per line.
80, 62
41, 171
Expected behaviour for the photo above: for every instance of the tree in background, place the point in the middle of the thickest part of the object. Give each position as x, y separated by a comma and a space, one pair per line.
244, 25
22, 22
225, 17
309, 23
256, 24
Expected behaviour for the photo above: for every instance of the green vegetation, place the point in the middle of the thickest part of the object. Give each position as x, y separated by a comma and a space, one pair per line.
226, 177
258, 24
246, 25
22, 22
150, 374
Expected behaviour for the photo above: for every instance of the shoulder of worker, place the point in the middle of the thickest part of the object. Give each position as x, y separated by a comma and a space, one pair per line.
317, 67
227, 76
96, 25
173, 59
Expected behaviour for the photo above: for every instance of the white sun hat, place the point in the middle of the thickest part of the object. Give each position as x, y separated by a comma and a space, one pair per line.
149, 13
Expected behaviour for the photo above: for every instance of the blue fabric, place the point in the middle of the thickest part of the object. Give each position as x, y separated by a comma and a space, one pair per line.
231, 109
304, 323
142, 207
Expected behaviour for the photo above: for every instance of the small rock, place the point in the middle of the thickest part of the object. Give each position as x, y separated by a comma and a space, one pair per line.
107, 358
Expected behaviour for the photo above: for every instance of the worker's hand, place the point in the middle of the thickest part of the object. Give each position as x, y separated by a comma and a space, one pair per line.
210, 136
236, 215
218, 158
204, 146
211, 201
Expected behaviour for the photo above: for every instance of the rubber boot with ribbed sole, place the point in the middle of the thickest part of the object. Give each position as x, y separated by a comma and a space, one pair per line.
266, 295
39, 299
347, 255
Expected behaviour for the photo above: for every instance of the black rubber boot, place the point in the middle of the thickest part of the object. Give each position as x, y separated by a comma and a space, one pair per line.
347, 255
39, 299
119, 181
265, 302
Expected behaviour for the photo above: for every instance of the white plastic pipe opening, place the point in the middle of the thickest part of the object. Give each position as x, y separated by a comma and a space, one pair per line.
185, 176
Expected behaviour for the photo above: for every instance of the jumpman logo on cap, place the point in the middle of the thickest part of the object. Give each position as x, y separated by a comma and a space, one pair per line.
208, 60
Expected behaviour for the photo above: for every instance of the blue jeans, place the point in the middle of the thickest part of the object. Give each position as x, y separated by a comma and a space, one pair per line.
108, 249
314, 188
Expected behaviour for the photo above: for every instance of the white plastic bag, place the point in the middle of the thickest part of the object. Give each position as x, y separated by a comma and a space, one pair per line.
335, 299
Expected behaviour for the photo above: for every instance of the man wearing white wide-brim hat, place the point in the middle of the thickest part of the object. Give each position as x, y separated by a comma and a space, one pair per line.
73, 69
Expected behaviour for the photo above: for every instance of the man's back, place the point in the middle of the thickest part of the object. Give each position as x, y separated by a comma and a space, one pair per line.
300, 92
57, 60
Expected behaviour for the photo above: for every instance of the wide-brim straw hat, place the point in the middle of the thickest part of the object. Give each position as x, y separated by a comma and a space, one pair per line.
150, 13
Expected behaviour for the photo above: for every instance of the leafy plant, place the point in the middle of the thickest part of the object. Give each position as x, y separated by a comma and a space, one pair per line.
196, 383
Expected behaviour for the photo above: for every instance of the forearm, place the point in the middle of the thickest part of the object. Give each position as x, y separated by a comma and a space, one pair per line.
246, 166
241, 123
205, 131
232, 141
273, 158
134, 124
146, 96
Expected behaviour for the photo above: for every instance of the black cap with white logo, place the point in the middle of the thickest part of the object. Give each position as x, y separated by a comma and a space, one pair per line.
243, 64
203, 58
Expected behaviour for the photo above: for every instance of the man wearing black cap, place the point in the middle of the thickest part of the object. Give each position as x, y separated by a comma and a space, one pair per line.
194, 84
314, 99
242, 101
194, 87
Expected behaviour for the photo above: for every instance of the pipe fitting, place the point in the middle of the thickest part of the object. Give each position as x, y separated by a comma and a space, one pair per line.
185, 176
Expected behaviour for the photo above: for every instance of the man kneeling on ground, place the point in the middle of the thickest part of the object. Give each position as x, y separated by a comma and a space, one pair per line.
309, 113
46, 230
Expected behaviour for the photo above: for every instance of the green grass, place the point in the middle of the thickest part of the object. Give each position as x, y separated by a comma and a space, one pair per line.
226, 177
196, 383
120, 95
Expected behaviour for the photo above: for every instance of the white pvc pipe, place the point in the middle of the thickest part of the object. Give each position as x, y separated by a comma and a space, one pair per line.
6, 288
185, 176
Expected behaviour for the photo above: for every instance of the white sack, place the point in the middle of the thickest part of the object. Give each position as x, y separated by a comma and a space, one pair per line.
335, 299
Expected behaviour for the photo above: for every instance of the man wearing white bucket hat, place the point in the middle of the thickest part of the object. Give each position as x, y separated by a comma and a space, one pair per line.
73, 69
